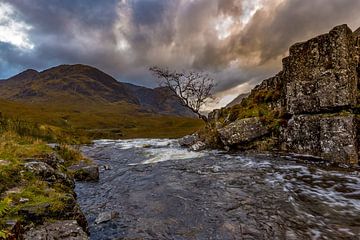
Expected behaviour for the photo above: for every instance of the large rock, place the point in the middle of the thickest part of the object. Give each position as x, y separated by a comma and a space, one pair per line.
321, 74
65, 230
85, 172
242, 131
332, 137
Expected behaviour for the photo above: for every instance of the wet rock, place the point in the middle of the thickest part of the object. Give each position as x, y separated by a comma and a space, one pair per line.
198, 146
48, 173
106, 216
85, 172
242, 131
107, 167
189, 140
65, 230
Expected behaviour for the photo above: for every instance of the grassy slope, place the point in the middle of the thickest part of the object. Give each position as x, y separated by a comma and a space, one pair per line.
20, 141
94, 120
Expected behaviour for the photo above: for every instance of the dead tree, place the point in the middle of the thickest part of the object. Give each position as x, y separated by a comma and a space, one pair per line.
193, 88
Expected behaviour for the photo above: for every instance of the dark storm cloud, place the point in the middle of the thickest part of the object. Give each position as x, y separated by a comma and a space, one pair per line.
239, 41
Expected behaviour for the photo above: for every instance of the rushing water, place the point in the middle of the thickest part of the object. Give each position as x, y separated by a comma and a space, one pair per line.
161, 191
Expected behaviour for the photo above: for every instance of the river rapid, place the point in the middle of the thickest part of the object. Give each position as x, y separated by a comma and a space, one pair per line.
157, 190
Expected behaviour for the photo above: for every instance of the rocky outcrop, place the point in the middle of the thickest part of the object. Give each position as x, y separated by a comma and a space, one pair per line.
321, 78
70, 222
311, 107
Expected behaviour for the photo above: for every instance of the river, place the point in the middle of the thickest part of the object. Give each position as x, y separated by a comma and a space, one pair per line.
157, 190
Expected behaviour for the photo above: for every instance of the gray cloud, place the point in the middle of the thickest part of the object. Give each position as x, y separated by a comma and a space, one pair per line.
125, 37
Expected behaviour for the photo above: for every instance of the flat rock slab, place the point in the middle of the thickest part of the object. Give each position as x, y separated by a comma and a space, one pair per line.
65, 230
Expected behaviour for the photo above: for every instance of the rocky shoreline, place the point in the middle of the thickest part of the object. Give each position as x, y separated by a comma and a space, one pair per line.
47, 220
310, 108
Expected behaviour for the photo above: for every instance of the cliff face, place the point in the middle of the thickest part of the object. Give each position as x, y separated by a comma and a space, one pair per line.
310, 107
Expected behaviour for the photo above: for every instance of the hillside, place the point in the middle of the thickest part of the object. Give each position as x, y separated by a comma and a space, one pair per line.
89, 104
81, 84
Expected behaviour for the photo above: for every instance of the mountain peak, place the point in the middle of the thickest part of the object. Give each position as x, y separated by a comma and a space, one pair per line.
28, 74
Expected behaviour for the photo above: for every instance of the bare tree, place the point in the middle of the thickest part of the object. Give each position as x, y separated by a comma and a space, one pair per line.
193, 88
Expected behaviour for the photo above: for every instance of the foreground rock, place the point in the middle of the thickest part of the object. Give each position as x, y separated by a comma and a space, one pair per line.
85, 172
311, 107
64, 230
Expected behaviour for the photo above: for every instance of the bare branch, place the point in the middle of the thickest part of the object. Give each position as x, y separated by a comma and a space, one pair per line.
192, 88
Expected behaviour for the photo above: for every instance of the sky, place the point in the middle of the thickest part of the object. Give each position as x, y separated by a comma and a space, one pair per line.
239, 42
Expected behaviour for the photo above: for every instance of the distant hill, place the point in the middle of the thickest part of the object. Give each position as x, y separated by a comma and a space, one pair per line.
67, 85
238, 99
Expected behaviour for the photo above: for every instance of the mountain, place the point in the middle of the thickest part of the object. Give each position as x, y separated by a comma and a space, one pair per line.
81, 84
238, 99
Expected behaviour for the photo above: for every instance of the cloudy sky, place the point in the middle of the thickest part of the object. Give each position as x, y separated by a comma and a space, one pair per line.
240, 42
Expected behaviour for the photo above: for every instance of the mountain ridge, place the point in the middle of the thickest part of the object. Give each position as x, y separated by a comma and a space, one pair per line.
78, 83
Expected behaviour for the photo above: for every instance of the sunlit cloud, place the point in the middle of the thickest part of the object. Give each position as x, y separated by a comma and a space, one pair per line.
223, 27
13, 30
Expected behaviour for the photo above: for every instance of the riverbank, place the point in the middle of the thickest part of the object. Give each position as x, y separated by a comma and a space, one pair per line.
37, 197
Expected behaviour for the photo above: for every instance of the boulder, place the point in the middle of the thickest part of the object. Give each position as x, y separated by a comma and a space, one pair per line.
189, 140
85, 172
65, 230
242, 131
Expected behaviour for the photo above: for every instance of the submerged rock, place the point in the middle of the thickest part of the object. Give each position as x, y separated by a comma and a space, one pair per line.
106, 216
65, 230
